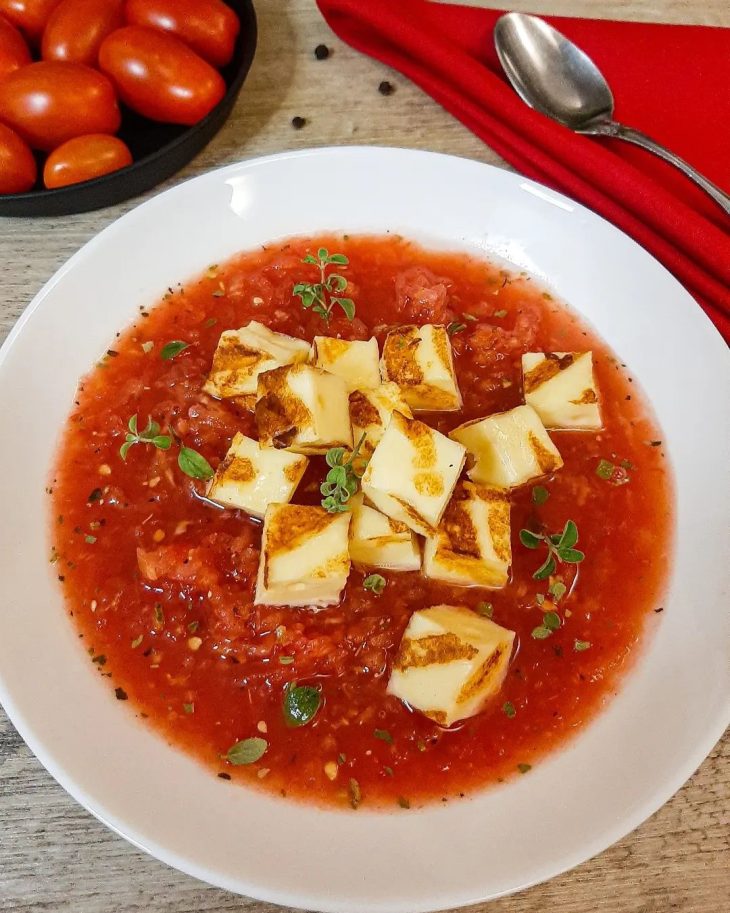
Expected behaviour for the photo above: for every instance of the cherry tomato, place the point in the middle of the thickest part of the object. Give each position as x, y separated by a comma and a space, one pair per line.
14, 52
50, 102
30, 16
209, 27
76, 29
160, 77
18, 170
83, 158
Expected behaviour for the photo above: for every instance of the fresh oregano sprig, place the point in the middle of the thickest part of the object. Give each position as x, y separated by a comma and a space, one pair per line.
322, 296
342, 480
560, 548
149, 435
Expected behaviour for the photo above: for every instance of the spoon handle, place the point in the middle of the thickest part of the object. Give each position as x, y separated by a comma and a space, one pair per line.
619, 131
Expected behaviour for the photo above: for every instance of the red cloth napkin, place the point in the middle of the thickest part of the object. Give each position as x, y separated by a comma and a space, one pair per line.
671, 81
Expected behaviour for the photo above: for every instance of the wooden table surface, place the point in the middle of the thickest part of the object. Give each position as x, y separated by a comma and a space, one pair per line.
53, 855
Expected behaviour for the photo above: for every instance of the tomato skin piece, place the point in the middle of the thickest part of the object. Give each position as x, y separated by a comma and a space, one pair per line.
76, 29
18, 170
30, 16
14, 52
209, 27
50, 102
159, 77
84, 158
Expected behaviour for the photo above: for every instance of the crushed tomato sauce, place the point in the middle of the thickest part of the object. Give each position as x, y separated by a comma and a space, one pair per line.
160, 583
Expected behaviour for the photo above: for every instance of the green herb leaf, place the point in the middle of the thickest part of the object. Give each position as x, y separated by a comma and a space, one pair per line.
286, 660
571, 555
162, 441
94, 495
335, 456
193, 464
541, 632
530, 540
189, 708
604, 470
501, 313
485, 608
551, 620
247, 751
301, 703
383, 735
581, 645
546, 569
453, 328
90, 540
540, 494
340, 259
557, 590
569, 535
524, 768
509, 709
347, 305
375, 583
171, 349
137, 641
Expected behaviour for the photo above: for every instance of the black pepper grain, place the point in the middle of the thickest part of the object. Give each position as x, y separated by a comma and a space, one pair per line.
386, 88
321, 52
298, 122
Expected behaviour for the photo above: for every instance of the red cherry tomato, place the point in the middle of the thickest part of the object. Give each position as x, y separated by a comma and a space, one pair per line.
83, 158
209, 27
76, 29
14, 52
50, 102
160, 77
30, 16
18, 170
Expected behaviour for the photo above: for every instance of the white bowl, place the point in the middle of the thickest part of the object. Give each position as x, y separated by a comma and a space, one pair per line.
672, 707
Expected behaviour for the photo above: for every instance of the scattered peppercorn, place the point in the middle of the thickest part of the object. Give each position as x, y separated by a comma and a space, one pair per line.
121, 694
386, 88
298, 122
321, 52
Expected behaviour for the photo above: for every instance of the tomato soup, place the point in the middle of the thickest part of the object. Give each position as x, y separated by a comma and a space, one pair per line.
160, 582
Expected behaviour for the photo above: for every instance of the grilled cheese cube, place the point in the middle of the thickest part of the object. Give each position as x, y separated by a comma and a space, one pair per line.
472, 544
304, 409
420, 361
370, 412
380, 541
304, 557
509, 448
450, 662
355, 361
243, 354
412, 473
251, 477
561, 388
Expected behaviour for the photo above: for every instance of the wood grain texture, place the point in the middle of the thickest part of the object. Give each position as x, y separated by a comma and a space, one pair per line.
56, 857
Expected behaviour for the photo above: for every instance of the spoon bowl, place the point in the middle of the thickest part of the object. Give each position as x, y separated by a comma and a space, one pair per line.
550, 73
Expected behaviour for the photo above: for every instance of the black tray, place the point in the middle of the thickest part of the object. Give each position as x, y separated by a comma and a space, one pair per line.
159, 150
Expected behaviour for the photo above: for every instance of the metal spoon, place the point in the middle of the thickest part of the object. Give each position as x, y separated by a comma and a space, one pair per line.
555, 77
